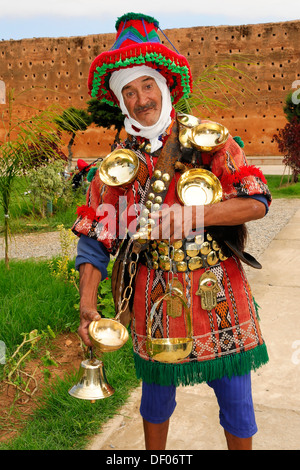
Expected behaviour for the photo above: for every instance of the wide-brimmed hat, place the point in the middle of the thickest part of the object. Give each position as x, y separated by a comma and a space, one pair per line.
138, 43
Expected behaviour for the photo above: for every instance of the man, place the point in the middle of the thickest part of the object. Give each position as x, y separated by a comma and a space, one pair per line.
145, 79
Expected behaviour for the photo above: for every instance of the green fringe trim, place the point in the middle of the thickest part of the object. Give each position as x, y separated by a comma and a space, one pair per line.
136, 16
256, 308
192, 373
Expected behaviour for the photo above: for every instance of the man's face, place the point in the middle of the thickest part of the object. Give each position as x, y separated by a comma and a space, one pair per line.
142, 98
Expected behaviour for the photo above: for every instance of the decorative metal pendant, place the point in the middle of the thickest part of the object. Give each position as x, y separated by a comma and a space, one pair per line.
174, 302
208, 289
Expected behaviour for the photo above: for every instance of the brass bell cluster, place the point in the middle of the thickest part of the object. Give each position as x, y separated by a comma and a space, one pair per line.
153, 204
106, 335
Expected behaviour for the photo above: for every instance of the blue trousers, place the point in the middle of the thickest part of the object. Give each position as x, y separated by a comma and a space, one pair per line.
234, 397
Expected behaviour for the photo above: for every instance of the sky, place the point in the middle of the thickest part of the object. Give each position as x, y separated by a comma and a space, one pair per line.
20, 19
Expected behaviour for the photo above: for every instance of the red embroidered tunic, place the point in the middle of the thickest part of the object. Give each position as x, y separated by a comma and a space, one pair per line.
226, 340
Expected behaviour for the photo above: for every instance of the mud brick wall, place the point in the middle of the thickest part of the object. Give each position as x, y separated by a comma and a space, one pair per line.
49, 71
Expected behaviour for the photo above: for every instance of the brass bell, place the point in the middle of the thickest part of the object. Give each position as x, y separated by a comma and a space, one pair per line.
106, 335
91, 383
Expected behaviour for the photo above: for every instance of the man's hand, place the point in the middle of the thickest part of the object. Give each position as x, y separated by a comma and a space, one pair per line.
86, 317
177, 222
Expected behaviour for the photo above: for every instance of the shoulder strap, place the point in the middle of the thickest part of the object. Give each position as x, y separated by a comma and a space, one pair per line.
167, 158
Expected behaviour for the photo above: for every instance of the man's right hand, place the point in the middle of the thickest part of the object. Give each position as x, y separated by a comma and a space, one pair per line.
86, 317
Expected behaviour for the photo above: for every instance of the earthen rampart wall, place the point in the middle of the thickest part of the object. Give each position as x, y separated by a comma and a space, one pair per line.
49, 71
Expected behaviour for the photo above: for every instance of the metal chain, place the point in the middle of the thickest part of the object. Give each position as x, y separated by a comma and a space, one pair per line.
128, 289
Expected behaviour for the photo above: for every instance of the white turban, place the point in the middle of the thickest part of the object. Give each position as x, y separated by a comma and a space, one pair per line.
122, 77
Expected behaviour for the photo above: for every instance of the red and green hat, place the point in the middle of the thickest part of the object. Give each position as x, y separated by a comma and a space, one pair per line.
137, 43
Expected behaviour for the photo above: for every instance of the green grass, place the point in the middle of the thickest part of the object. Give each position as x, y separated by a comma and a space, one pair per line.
284, 191
31, 298
62, 422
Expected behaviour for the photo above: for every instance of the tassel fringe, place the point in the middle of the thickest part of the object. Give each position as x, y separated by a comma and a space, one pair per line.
192, 373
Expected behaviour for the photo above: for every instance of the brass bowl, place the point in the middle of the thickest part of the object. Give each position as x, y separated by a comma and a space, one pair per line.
209, 136
107, 334
119, 168
169, 349
199, 187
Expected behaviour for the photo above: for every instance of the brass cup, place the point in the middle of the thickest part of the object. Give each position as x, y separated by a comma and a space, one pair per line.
119, 168
107, 334
199, 187
186, 124
187, 120
209, 136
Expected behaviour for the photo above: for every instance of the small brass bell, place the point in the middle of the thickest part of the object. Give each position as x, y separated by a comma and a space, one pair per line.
92, 384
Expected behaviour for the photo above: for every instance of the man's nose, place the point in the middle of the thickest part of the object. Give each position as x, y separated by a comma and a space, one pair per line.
142, 98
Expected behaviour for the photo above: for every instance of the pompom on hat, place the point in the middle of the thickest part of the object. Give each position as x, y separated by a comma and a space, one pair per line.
137, 43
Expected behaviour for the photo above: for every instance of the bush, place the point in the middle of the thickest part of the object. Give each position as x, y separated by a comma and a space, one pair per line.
47, 184
288, 140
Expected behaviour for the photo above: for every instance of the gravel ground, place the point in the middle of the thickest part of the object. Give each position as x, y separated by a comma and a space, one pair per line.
260, 234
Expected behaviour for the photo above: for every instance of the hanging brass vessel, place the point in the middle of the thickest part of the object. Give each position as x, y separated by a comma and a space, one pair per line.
119, 168
170, 350
187, 120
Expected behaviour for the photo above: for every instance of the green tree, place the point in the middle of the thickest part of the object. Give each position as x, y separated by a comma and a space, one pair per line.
104, 115
288, 138
73, 120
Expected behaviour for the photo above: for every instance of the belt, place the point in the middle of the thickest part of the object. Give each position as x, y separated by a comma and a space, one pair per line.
184, 255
